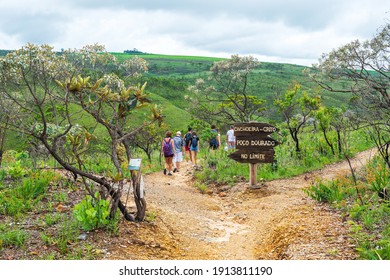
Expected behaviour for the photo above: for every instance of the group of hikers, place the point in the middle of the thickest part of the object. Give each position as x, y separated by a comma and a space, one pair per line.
173, 148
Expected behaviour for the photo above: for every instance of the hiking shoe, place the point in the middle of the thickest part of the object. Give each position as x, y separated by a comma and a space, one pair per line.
165, 171
175, 170
170, 174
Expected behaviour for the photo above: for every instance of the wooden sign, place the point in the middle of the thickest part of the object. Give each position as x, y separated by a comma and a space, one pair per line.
255, 143
245, 129
253, 157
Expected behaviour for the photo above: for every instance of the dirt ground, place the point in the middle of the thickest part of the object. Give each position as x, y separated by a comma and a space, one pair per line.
274, 221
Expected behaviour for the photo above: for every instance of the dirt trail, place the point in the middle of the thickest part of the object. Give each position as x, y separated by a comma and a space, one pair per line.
275, 221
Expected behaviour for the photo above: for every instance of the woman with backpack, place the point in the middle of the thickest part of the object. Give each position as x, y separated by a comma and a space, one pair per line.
194, 147
168, 150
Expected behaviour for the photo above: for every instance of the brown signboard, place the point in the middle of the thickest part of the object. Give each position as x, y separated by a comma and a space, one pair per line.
254, 145
255, 142
245, 129
253, 157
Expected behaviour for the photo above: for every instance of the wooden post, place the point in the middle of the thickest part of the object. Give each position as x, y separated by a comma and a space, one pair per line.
252, 174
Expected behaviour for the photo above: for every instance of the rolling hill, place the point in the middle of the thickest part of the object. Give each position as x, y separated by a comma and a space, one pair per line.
169, 77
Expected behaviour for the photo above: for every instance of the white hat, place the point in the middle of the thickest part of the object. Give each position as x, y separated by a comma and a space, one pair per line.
178, 133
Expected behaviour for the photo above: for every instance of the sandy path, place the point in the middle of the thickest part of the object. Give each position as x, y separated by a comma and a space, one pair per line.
276, 221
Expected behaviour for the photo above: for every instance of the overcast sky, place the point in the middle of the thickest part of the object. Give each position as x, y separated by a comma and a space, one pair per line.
288, 31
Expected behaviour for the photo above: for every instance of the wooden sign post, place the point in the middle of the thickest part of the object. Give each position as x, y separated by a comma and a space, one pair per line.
254, 145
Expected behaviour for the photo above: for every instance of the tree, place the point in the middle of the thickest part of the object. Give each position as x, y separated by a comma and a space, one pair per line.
52, 93
362, 69
226, 96
324, 115
4, 124
134, 67
296, 108
149, 139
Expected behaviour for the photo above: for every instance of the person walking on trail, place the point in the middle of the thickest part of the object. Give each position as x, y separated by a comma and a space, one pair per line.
179, 148
168, 149
187, 139
215, 141
194, 147
230, 138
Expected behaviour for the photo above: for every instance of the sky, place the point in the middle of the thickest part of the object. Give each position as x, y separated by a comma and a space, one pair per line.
286, 31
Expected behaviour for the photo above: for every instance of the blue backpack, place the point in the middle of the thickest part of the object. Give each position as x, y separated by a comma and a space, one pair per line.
213, 141
194, 142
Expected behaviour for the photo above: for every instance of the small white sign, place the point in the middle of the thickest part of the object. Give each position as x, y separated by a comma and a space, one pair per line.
135, 164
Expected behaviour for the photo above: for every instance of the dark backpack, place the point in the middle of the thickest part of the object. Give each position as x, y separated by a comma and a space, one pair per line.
167, 148
187, 138
213, 141
194, 142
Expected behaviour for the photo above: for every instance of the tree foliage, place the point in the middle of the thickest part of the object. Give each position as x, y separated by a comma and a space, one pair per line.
226, 96
296, 107
363, 69
52, 91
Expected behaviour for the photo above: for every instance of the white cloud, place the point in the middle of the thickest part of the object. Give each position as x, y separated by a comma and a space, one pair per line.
296, 31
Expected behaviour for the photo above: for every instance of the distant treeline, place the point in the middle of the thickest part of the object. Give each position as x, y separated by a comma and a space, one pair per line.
4, 52
133, 51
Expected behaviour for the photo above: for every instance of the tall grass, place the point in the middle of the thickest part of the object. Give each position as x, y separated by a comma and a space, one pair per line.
12, 237
23, 194
220, 169
368, 213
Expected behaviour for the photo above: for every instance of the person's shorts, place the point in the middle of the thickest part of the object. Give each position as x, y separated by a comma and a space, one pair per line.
178, 157
169, 156
213, 147
187, 148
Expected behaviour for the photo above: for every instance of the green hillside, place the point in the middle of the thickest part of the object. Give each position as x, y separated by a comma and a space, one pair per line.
171, 65
169, 77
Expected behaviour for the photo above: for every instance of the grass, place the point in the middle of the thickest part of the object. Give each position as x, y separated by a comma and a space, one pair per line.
201, 187
32, 199
368, 214
220, 169
37, 221
327, 192
12, 237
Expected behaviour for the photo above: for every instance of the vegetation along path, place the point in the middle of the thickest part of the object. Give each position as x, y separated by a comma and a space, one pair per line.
276, 221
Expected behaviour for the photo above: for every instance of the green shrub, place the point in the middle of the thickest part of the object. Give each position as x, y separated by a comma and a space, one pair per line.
16, 170
3, 174
12, 205
357, 211
378, 175
369, 216
13, 238
92, 213
326, 191
201, 187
